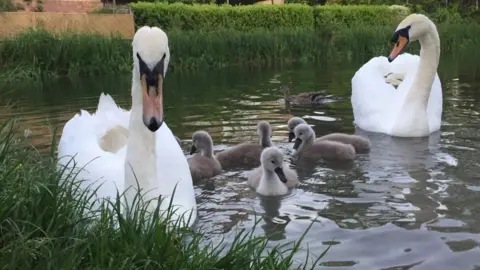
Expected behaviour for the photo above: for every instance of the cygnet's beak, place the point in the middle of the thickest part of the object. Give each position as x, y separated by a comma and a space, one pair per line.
297, 143
291, 136
193, 150
280, 174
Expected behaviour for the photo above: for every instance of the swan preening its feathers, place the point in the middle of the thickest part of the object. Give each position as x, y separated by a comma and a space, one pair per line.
414, 108
119, 148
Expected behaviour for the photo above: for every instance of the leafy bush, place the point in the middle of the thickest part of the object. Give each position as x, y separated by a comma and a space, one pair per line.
354, 15
211, 17
245, 18
7, 5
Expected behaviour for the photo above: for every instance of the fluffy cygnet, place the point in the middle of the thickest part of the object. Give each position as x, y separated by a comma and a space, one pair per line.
362, 145
247, 154
307, 148
273, 177
204, 164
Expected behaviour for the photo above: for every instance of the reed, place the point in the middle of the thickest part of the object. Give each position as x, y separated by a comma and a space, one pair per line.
43, 225
38, 54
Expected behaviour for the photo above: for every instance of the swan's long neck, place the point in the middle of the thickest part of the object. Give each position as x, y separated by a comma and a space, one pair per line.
265, 139
308, 142
429, 59
141, 154
208, 151
412, 119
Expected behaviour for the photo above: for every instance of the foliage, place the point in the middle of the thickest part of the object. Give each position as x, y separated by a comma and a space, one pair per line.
212, 17
7, 5
43, 225
40, 53
353, 15
37, 53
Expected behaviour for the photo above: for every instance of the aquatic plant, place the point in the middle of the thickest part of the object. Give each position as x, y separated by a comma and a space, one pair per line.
35, 54
43, 225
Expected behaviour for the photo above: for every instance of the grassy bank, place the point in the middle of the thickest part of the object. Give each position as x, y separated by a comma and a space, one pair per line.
36, 54
41, 227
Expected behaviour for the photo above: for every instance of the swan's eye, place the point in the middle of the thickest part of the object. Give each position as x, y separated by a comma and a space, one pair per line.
273, 162
301, 134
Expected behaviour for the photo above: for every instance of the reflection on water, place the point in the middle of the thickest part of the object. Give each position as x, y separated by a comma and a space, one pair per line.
408, 204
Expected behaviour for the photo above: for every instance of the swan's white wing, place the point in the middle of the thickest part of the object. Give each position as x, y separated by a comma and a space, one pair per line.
172, 168
376, 103
96, 168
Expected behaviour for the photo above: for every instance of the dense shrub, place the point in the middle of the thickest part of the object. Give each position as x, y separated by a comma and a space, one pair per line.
354, 15
211, 17
291, 16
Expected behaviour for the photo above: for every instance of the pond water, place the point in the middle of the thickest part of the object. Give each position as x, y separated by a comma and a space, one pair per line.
409, 204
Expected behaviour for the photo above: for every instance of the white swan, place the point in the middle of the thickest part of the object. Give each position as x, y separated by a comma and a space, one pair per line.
414, 109
112, 141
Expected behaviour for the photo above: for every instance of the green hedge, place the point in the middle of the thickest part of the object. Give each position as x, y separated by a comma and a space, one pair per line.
354, 15
180, 16
212, 17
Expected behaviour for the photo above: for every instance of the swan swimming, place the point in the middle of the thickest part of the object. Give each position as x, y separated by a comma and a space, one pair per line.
138, 139
414, 108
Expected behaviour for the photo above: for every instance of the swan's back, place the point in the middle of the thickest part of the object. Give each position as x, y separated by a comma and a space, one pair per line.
328, 150
241, 155
377, 104
202, 167
361, 144
254, 177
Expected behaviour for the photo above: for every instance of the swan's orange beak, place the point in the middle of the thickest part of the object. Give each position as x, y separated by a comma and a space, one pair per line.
152, 103
398, 48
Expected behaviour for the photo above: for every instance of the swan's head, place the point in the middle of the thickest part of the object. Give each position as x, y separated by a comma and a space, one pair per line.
292, 124
412, 28
150, 59
303, 132
272, 160
201, 140
264, 129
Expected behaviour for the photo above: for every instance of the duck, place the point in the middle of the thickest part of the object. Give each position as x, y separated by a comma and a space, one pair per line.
247, 154
307, 148
273, 177
361, 144
149, 158
407, 102
205, 164
304, 98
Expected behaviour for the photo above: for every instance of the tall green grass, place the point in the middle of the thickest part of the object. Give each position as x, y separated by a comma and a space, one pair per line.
37, 54
43, 226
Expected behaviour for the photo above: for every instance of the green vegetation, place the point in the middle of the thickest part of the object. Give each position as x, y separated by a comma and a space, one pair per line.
42, 227
8, 6
210, 36
37, 53
246, 18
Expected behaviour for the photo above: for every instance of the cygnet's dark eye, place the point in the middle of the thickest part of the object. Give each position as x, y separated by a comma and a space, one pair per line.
300, 133
273, 162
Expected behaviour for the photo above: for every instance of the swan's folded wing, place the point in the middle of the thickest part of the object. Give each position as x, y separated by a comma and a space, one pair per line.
94, 166
372, 96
